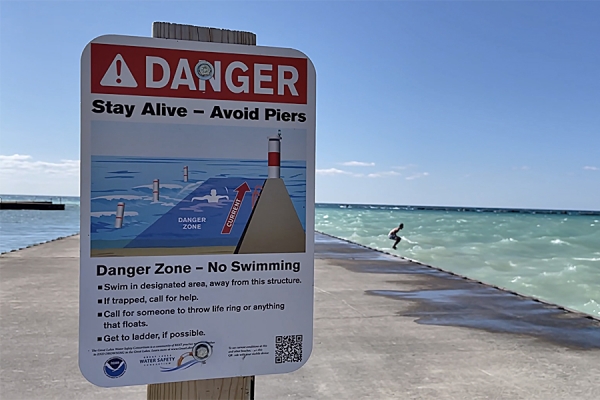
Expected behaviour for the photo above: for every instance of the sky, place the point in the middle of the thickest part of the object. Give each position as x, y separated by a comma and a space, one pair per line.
446, 103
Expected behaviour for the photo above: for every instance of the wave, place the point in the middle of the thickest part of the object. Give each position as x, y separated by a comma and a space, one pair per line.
98, 214
161, 185
190, 187
120, 197
408, 240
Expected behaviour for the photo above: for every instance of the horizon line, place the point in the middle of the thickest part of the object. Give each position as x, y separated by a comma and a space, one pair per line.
416, 206
466, 208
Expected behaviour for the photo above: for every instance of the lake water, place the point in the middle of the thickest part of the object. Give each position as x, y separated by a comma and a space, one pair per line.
553, 256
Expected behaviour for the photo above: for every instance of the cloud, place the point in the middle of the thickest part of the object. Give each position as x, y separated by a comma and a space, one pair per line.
22, 174
410, 169
383, 173
417, 176
14, 157
403, 167
335, 171
590, 168
332, 171
358, 164
22, 164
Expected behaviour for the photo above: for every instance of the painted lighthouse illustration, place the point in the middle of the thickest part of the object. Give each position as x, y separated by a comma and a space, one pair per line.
274, 226
221, 213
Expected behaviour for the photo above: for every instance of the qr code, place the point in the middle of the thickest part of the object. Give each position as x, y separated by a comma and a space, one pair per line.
288, 349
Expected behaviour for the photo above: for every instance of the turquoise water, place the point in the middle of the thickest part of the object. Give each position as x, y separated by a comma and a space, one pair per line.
554, 257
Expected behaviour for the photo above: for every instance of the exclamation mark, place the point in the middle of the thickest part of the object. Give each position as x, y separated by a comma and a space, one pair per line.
118, 71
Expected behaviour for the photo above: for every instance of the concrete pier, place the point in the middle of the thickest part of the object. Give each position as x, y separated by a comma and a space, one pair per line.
385, 328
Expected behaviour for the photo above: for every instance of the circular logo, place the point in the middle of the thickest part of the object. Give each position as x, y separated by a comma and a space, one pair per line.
204, 70
202, 351
115, 367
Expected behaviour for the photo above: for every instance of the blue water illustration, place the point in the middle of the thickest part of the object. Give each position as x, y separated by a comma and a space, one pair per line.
210, 209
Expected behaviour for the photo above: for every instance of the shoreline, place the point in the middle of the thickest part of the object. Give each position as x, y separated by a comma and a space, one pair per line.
225, 251
525, 296
39, 243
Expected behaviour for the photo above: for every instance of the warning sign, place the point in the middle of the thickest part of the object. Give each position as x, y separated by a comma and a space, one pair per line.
178, 72
197, 210
118, 74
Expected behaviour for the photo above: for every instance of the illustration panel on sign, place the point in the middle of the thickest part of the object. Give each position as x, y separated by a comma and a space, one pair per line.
252, 202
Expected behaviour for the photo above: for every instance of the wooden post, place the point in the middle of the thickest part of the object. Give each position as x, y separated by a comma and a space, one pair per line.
166, 30
239, 388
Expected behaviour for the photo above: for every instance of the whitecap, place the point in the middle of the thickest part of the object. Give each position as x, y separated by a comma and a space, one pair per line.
164, 197
190, 187
119, 197
98, 214
161, 185
592, 307
586, 259
558, 241
557, 273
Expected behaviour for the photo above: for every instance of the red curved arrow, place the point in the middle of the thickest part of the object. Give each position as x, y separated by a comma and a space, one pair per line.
235, 207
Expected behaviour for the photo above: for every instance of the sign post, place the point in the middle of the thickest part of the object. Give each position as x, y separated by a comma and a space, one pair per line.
196, 258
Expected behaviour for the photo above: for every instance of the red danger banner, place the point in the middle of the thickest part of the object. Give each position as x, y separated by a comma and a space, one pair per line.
156, 72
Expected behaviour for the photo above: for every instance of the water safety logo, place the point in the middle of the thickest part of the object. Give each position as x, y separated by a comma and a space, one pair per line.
199, 354
114, 367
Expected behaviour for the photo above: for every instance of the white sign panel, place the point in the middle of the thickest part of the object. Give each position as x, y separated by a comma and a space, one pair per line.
197, 210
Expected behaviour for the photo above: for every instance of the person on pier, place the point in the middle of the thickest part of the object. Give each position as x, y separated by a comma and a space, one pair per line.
394, 235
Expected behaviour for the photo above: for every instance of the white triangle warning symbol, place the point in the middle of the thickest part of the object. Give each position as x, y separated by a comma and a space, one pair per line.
118, 74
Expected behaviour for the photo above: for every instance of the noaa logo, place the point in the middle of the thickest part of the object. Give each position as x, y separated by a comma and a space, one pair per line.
204, 70
115, 367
